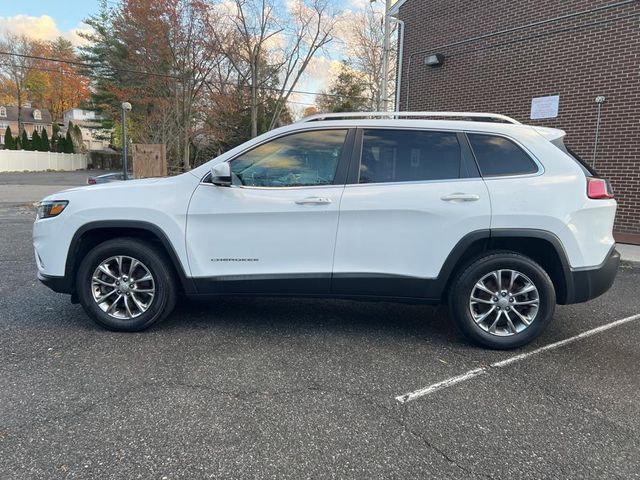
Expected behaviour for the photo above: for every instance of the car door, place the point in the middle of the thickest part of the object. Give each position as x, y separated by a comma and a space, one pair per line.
412, 197
274, 229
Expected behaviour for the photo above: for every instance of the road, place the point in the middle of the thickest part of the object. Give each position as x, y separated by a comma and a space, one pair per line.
302, 388
27, 187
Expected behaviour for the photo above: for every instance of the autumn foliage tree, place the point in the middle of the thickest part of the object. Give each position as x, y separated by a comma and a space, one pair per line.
29, 72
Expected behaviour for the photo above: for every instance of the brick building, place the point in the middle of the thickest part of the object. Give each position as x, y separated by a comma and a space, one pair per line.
499, 55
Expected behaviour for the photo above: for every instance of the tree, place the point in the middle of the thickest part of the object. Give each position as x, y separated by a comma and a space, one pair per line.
16, 66
68, 142
310, 110
172, 39
25, 143
9, 141
76, 135
60, 143
45, 146
346, 93
366, 48
260, 50
35, 141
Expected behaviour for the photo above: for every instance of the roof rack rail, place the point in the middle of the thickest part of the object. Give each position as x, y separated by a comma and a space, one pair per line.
417, 115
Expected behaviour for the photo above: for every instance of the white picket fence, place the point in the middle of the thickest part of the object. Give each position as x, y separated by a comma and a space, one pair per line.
21, 160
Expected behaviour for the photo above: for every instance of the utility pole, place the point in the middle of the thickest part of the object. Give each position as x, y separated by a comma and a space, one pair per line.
385, 56
126, 107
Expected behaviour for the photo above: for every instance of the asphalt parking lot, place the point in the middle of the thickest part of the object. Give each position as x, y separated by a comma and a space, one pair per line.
301, 388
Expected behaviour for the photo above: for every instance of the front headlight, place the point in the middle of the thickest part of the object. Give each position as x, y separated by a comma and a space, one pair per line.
50, 208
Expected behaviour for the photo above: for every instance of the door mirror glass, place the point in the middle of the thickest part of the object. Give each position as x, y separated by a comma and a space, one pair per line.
221, 174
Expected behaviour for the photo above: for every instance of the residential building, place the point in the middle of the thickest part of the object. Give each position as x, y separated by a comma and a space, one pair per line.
543, 63
38, 119
94, 136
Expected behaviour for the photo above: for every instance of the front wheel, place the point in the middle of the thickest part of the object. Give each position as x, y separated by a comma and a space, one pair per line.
126, 285
502, 300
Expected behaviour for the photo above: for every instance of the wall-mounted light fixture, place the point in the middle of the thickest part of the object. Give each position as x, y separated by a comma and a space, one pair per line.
434, 60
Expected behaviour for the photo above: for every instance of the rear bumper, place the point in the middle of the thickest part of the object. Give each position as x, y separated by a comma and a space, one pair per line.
587, 284
57, 284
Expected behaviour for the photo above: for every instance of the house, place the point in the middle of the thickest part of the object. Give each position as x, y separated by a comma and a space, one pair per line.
37, 119
94, 136
571, 65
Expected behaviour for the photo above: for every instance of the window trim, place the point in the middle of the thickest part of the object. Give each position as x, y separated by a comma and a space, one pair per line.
341, 169
466, 159
528, 152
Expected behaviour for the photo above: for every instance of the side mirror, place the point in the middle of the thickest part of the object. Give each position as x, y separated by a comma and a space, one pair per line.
221, 174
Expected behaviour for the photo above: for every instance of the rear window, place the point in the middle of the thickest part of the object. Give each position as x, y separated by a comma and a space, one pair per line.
498, 156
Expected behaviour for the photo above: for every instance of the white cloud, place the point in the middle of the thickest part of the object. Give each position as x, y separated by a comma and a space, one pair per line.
40, 28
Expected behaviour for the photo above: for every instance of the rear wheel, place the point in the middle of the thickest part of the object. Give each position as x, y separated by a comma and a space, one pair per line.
126, 284
502, 300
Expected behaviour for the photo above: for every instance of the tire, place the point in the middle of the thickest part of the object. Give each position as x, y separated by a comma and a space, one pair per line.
535, 306
146, 298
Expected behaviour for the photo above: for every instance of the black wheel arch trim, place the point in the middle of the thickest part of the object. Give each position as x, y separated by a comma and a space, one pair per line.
72, 262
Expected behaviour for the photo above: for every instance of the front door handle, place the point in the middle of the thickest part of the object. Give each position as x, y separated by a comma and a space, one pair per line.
314, 201
461, 197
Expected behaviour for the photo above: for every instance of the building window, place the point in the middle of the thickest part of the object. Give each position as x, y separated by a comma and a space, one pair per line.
3, 112
37, 115
4, 124
1, 139
39, 128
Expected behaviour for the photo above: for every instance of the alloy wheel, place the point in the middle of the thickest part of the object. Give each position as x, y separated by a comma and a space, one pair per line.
504, 302
123, 287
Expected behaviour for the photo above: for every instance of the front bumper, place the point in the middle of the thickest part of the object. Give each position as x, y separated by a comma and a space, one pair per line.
57, 284
587, 284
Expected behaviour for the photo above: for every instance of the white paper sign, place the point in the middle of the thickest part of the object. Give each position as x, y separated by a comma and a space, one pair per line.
545, 107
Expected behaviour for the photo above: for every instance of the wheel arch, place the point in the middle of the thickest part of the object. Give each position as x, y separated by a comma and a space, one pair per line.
543, 247
95, 233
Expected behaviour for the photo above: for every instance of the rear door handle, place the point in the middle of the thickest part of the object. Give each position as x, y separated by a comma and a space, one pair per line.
314, 201
461, 197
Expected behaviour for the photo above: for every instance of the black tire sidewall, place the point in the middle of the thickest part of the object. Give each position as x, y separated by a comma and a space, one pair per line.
164, 298
461, 291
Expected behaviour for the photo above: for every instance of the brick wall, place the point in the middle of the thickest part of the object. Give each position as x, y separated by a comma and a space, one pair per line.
577, 58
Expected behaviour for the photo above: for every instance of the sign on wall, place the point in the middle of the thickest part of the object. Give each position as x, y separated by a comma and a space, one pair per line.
545, 107
149, 160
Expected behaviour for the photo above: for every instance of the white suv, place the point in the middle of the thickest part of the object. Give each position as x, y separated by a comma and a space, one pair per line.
496, 218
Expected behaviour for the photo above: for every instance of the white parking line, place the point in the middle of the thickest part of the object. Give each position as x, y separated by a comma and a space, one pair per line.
449, 382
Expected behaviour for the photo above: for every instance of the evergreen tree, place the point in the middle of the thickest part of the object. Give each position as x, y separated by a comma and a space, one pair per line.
45, 146
60, 144
68, 141
35, 141
9, 141
76, 134
55, 136
25, 143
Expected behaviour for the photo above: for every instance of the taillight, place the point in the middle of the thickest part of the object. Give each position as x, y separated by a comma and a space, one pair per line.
598, 188
91, 181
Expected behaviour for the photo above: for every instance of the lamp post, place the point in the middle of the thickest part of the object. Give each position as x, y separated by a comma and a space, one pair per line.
126, 107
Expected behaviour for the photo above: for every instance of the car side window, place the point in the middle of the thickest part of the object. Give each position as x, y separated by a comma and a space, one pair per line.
499, 156
296, 160
409, 155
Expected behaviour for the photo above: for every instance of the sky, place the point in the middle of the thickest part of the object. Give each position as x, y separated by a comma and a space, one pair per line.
45, 19
48, 19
